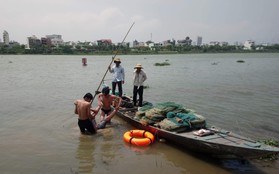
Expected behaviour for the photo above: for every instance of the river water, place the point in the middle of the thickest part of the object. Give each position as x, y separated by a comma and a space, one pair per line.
39, 132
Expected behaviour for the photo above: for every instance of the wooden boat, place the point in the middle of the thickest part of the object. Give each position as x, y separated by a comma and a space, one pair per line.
218, 142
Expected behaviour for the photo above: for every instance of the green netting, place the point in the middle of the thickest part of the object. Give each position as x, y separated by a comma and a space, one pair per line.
166, 124
182, 116
166, 107
156, 118
181, 119
170, 116
146, 106
153, 112
146, 120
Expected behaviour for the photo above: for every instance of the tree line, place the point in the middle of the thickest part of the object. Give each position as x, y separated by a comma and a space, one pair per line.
111, 49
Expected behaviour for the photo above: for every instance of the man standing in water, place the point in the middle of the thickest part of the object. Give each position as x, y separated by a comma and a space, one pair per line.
105, 102
139, 78
86, 120
118, 76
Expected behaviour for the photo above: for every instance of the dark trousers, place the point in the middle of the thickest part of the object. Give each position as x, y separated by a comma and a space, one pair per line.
119, 84
86, 125
137, 90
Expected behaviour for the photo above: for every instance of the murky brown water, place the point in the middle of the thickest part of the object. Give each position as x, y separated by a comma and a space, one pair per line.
39, 132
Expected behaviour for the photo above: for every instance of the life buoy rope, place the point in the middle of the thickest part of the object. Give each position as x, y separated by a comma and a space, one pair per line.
138, 137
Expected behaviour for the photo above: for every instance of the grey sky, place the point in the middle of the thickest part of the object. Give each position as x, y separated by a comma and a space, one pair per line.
90, 20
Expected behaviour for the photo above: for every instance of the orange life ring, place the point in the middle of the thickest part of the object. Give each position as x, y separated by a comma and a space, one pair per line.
138, 137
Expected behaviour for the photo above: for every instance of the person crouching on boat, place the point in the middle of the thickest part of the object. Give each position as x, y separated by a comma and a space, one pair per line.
86, 114
139, 78
105, 101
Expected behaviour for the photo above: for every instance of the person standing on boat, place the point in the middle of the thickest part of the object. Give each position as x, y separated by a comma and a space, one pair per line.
105, 102
118, 76
86, 114
139, 78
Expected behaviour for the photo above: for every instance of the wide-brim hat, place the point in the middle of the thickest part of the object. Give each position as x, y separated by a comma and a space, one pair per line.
138, 66
117, 60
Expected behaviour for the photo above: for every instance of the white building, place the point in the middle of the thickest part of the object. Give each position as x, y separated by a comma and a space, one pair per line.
223, 43
248, 44
199, 41
55, 39
214, 43
186, 41
168, 42
6, 38
32, 41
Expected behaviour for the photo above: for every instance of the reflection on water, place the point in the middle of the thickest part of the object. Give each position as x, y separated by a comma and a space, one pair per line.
137, 149
85, 154
108, 148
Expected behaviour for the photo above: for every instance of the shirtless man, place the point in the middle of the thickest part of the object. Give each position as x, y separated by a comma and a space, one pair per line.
105, 100
86, 120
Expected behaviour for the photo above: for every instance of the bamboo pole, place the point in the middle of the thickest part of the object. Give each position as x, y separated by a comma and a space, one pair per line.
117, 51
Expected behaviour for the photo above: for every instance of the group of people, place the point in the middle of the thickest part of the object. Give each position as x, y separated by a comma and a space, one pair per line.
106, 101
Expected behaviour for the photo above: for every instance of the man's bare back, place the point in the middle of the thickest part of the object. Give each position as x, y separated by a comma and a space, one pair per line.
83, 109
86, 114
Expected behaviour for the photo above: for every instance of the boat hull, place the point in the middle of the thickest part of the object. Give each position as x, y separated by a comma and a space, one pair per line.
221, 144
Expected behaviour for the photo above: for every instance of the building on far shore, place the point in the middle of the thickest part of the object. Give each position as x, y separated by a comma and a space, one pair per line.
32, 41
186, 41
248, 44
55, 39
49, 40
6, 38
199, 41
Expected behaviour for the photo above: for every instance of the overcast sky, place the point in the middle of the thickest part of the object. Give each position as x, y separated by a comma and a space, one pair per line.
156, 20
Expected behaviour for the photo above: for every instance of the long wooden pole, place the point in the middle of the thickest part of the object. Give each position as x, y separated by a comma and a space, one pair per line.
117, 51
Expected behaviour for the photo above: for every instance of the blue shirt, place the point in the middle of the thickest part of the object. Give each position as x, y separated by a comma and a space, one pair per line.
118, 73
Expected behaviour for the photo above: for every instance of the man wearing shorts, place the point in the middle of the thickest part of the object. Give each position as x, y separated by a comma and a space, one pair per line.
86, 115
105, 101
